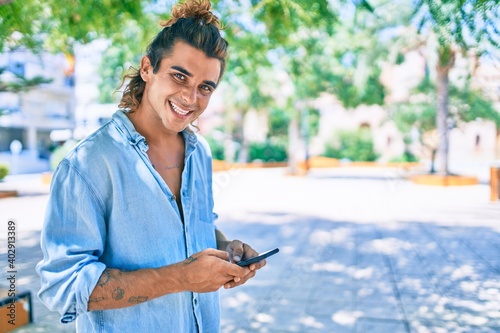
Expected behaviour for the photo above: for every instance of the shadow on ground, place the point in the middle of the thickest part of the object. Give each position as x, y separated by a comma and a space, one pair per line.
333, 276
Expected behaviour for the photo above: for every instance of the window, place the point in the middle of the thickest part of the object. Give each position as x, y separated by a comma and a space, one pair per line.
18, 68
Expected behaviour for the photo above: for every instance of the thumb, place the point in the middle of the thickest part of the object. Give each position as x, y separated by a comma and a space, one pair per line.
238, 251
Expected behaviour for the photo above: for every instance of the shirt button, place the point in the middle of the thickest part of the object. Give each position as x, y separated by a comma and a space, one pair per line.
172, 198
195, 301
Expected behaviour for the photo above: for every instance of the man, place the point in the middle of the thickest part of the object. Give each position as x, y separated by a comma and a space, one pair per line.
129, 240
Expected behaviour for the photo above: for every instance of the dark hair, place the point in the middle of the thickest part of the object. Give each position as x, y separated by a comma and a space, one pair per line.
193, 23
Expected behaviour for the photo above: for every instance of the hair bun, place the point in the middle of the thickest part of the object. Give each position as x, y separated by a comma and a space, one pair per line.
198, 9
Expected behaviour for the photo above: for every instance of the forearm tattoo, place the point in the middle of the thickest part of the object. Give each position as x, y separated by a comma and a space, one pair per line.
118, 293
97, 299
138, 299
104, 278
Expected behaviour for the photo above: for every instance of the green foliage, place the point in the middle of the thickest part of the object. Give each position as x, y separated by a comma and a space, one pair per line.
465, 23
352, 145
57, 26
216, 147
21, 83
53, 26
313, 118
247, 68
469, 105
373, 92
419, 113
407, 157
267, 151
124, 52
60, 152
4, 171
273, 45
18, 16
346, 64
284, 17
278, 123
458, 26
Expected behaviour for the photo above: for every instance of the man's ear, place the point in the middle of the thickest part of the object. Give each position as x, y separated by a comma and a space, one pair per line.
146, 68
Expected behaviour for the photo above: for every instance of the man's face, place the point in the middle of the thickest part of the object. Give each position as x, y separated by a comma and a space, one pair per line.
180, 90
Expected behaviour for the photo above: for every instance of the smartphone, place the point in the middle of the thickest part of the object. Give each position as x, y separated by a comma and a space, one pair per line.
261, 256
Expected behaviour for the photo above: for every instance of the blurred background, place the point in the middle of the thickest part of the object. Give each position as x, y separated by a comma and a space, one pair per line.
385, 81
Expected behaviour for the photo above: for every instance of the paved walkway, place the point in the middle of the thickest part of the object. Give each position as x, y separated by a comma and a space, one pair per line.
360, 251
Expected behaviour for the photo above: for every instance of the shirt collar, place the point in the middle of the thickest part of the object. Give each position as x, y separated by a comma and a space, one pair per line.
135, 138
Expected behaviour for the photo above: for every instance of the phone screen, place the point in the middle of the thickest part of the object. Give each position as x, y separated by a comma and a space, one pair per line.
258, 258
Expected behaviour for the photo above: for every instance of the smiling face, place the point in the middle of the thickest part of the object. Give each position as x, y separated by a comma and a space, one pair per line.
180, 90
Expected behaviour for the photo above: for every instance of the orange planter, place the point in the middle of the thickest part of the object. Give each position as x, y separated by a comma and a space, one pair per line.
494, 184
7, 194
444, 180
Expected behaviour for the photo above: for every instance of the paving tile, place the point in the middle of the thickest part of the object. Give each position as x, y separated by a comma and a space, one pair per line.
381, 310
436, 326
373, 325
329, 307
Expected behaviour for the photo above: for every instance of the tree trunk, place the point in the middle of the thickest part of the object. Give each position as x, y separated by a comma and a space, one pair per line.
433, 161
293, 146
238, 135
445, 63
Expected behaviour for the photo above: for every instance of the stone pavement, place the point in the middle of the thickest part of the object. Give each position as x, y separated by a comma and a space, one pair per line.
361, 250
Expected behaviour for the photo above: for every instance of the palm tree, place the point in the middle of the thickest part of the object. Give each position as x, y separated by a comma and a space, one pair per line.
459, 26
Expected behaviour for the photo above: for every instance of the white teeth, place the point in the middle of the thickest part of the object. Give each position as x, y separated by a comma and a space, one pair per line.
179, 110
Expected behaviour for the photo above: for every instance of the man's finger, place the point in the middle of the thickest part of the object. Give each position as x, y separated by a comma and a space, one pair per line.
217, 253
238, 252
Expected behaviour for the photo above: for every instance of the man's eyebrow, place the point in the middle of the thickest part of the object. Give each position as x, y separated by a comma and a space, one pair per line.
182, 70
187, 73
211, 83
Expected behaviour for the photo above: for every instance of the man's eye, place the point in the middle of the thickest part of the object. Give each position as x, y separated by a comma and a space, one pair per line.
179, 76
206, 89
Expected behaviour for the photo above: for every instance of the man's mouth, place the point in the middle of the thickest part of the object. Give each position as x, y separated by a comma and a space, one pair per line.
177, 109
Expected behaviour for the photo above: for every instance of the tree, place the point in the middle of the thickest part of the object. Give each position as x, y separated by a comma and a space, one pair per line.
54, 26
249, 76
12, 82
288, 45
419, 113
459, 26
19, 83
51, 26
125, 51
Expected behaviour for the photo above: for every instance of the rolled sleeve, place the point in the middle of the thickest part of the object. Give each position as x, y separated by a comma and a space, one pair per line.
72, 241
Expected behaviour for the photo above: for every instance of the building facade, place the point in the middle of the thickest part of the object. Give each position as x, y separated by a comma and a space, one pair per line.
32, 116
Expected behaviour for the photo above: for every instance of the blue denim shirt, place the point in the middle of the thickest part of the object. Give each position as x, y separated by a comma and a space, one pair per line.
108, 207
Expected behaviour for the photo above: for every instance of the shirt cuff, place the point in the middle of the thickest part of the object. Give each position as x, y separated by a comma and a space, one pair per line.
85, 283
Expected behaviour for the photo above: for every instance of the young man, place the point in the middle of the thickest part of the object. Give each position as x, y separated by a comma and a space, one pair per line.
129, 240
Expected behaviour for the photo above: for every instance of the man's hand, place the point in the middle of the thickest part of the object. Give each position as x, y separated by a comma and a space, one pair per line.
209, 270
205, 271
238, 251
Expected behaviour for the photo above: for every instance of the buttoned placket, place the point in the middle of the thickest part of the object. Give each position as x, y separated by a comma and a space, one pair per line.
190, 141
141, 146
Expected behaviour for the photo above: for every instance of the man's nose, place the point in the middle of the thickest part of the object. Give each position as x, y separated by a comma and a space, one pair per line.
189, 95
